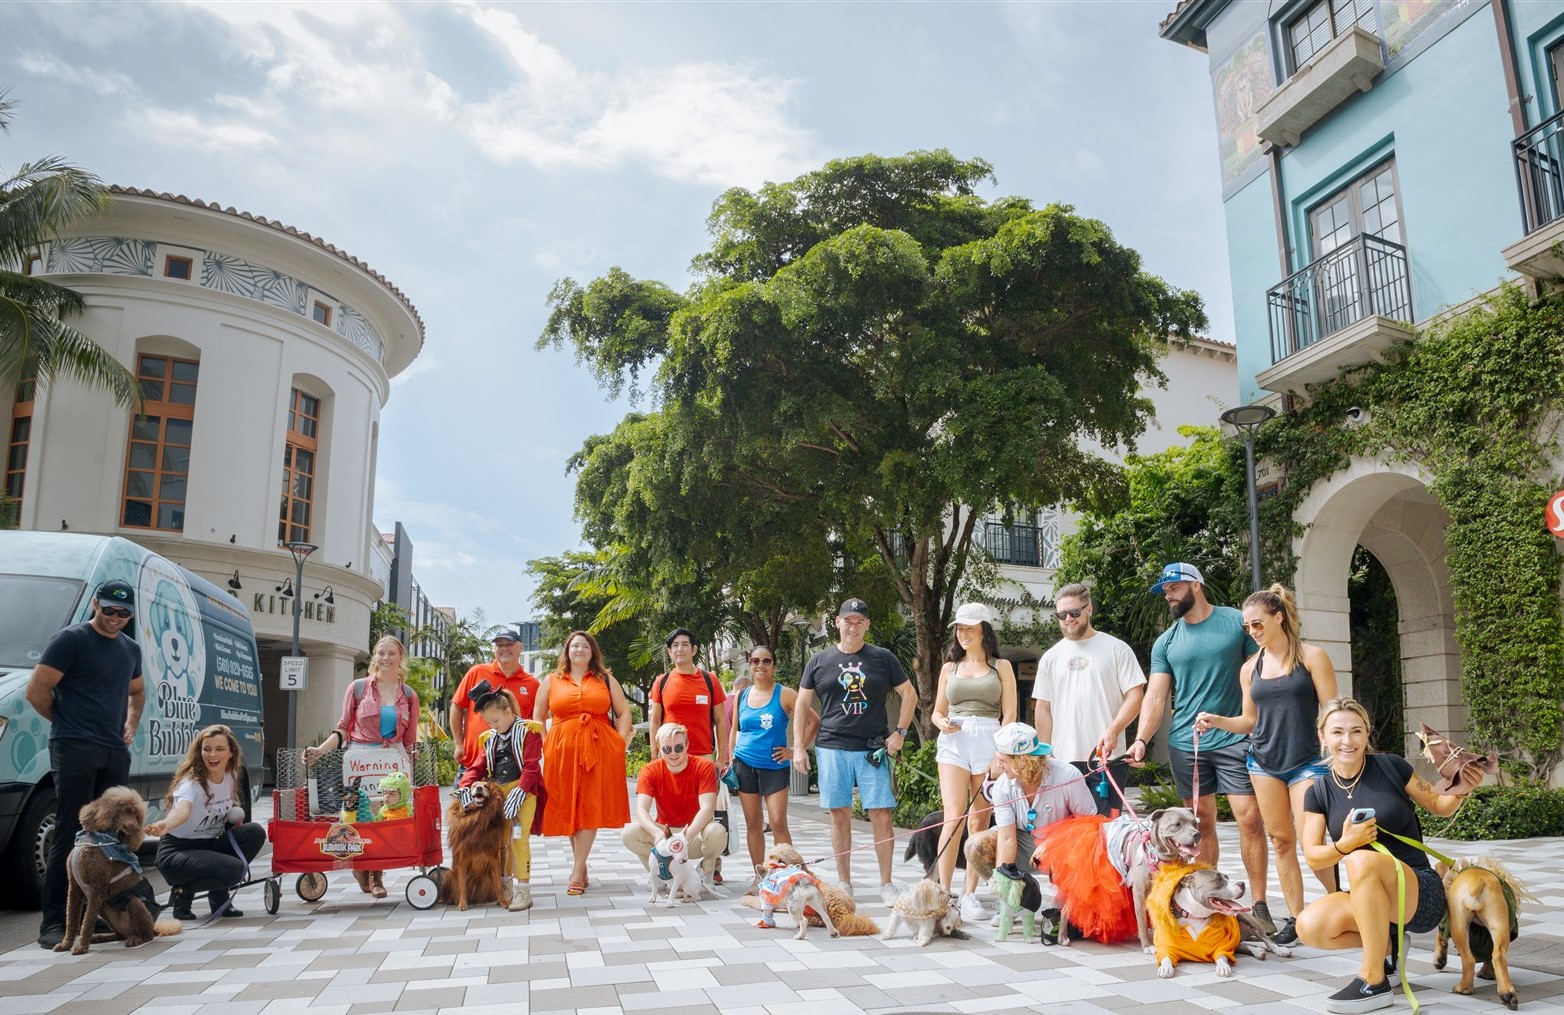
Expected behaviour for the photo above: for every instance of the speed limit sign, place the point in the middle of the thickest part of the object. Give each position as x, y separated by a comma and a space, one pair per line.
1556, 514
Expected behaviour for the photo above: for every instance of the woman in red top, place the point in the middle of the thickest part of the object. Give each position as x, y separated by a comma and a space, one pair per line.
584, 751
379, 711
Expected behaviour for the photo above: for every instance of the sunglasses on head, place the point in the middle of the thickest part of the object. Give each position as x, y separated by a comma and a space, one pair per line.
673, 748
1072, 614
118, 612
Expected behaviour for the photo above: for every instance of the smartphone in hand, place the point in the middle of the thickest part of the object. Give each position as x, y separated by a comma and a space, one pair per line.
1360, 815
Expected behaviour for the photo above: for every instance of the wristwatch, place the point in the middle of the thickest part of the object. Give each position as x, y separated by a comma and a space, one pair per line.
901, 731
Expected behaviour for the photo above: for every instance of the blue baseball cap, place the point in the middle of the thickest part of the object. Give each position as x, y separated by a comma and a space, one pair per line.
1177, 573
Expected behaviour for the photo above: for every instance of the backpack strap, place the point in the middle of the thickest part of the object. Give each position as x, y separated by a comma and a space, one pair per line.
359, 687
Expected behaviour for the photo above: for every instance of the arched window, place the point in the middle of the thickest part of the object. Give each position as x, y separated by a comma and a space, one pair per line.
157, 462
300, 456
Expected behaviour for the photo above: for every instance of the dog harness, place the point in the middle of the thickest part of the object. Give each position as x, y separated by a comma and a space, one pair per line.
773, 889
112, 848
1123, 834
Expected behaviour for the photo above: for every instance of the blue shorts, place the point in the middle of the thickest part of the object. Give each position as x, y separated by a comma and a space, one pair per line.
840, 771
1307, 770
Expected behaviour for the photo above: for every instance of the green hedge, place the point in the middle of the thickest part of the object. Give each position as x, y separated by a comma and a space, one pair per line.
1501, 812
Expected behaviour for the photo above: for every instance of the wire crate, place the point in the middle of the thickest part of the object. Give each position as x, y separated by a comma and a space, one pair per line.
294, 777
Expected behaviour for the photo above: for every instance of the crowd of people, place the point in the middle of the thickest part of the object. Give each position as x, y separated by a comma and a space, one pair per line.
1256, 716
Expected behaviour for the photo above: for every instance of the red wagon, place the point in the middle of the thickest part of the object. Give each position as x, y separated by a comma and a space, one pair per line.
310, 838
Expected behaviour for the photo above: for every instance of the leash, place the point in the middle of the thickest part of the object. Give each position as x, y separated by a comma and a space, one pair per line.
228, 902
1196, 764
1401, 903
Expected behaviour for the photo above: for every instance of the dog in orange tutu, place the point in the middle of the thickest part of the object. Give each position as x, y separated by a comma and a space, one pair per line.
1101, 869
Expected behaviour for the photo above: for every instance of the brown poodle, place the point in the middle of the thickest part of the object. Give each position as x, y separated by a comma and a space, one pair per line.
839, 904
102, 885
479, 834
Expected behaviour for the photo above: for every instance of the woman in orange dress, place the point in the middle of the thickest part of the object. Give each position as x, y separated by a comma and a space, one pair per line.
584, 750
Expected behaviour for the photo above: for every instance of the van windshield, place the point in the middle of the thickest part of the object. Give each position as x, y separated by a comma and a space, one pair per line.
32, 609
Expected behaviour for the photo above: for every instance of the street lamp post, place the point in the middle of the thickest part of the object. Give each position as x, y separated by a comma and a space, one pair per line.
1247, 419
299, 551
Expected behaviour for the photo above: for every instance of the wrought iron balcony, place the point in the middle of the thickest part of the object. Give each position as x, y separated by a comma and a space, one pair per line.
1365, 278
1539, 173
1026, 545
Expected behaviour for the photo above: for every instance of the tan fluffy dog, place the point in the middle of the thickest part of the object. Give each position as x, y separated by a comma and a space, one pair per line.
1479, 923
99, 885
479, 834
839, 904
926, 909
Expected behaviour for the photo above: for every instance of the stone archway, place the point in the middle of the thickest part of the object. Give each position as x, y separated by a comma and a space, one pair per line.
1387, 508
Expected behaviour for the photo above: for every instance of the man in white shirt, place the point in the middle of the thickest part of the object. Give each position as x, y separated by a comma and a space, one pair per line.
1088, 690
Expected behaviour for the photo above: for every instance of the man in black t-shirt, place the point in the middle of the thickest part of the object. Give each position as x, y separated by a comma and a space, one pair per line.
88, 685
853, 681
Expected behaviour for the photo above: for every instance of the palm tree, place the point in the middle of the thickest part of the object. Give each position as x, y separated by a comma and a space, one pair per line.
35, 203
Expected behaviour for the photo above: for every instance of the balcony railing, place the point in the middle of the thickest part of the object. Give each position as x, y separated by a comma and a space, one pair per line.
1539, 173
1026, 545
1365, 277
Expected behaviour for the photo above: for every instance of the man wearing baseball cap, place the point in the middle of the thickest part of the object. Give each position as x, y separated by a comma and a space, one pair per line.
853, 680
88, 685
504, 673
1199, 657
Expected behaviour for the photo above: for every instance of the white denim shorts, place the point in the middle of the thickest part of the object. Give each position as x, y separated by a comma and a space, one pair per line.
972, 748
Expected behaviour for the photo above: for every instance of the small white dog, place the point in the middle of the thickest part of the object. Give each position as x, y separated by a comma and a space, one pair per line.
794, 888
926, 909
670, 868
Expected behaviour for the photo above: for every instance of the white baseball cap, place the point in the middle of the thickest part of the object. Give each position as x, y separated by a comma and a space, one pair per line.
972, 614
1019, 738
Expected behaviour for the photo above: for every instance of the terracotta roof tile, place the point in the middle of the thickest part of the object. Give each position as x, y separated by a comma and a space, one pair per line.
291, 231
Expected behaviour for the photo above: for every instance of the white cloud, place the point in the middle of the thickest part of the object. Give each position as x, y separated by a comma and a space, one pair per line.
102, 83
186, 129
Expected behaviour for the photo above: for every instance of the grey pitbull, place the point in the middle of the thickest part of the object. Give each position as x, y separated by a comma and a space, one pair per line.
1201, 897
1136, 848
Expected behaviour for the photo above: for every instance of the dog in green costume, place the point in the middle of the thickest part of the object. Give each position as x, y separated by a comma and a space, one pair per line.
1019, 895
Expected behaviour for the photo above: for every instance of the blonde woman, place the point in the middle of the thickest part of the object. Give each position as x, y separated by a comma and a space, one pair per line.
1284, 685
1361, 794
379, 710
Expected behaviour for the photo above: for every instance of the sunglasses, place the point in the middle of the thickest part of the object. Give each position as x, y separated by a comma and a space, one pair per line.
118, 612
673, 748
1072, 614
1252, 625
761, 661
1031, 818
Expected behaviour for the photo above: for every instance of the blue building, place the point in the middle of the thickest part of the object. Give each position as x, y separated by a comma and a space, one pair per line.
1383, 162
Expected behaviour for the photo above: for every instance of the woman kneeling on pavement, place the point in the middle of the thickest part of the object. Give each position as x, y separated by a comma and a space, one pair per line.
195, 853
1362, 794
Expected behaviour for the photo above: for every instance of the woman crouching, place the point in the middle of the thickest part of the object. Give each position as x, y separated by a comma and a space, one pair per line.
1378, 790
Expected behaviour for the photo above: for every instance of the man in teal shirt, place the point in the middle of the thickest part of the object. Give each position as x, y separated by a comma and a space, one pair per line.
1197, 660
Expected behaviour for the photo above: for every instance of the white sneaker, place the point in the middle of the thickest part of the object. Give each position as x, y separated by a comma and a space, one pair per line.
520, 898
889, 894
971, 909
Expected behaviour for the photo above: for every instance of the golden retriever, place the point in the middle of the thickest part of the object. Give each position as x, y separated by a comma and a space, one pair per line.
479, 835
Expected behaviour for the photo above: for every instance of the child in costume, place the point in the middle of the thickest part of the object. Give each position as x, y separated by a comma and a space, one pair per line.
397, 792
512, 757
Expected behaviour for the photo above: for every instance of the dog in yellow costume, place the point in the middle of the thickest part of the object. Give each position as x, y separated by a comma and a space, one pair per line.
1198, 915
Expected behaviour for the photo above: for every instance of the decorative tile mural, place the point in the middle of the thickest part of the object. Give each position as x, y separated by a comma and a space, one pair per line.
1242, 84
102, 255
114, 255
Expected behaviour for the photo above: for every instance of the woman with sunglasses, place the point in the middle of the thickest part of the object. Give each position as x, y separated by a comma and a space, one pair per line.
762, 759
1283, 685
976, 694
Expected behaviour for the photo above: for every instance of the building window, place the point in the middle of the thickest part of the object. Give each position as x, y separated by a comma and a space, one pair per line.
178, 267
1366, 205
1321, 22
157, 465
32, 264
16, 450
299, 457
321, 313
1556, 76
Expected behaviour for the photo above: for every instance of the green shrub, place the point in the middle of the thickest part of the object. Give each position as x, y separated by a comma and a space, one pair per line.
917, 787
1162, 793
1501, 812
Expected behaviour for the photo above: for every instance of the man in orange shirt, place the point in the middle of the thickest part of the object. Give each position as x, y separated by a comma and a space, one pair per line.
682, 787
504, 673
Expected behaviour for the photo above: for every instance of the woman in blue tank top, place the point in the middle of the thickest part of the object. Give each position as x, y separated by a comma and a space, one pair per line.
762, 759
1284, 685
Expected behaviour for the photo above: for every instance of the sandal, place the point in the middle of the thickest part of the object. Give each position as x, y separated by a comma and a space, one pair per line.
576, 888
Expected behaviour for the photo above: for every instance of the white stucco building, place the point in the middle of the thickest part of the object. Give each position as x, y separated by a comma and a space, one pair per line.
265, 357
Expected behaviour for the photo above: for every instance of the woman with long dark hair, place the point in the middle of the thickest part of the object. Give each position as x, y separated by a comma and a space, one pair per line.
975, 697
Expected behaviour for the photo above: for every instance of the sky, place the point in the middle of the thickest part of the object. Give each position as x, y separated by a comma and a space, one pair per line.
475, 154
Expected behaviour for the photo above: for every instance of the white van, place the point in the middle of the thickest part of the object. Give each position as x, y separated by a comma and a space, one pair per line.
198, 658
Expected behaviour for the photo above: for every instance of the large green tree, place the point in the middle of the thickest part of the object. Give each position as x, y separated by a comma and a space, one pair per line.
36, 202
876, 347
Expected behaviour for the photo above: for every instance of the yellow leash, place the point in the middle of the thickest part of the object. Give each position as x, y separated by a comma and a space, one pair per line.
1401, 905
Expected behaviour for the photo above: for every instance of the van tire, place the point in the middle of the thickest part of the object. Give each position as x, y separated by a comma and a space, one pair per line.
28, 853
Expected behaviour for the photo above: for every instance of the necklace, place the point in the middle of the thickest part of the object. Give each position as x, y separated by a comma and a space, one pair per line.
1345, 787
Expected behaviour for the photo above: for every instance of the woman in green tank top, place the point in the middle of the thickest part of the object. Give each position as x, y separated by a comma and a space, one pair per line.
976, 695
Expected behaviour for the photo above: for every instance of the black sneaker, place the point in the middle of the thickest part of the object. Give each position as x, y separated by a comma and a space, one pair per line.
50, 936
1359, 996
1262, 915
1287, 933
219, 900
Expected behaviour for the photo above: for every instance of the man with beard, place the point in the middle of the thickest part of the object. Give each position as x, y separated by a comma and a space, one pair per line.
1196, 661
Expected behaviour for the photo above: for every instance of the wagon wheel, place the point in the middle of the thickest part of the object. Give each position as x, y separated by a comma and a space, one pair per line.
422, 891
311, 887
272, 892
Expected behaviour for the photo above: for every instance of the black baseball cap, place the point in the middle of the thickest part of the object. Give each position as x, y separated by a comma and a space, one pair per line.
505, 634
116, 593
668, 641
851, 606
